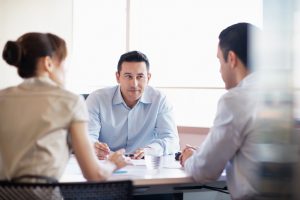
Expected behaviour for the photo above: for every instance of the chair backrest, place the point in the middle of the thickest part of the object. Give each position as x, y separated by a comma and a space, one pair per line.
110, 190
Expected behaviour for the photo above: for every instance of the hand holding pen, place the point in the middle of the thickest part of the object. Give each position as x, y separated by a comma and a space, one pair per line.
187, 152
190, 146
102, 150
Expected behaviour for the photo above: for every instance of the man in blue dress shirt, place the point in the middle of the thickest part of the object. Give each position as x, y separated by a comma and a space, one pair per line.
131, 115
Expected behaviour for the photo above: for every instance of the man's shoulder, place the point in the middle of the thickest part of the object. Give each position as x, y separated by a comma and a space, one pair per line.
102, 95
238, 99
154, 92
155, 97
104, 91
238, 92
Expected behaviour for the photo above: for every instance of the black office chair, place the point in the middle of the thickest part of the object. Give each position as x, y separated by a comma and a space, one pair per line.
111, 190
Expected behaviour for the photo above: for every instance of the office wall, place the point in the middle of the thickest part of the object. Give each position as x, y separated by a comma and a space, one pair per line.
191, 135
20, 16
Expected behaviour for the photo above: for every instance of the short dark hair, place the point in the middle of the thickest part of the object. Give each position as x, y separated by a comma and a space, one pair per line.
25, 52
236, 38
133, 56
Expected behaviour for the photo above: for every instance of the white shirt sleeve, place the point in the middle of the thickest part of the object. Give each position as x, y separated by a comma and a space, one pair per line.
219, 147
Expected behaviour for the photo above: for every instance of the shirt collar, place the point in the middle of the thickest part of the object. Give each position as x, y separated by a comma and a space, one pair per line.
146, 97
249, 80
38, 82
118, 99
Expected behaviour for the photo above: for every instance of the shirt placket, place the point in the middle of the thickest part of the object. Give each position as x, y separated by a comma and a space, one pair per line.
131, 128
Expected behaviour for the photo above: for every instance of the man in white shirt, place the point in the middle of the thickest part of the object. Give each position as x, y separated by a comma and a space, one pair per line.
230, 142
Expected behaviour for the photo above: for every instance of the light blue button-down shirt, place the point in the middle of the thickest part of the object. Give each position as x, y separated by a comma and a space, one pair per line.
149, 123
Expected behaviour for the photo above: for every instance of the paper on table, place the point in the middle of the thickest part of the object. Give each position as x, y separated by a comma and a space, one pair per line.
167, 163
138, 162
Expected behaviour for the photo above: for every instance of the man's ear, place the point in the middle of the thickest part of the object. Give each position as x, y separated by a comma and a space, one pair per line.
48, 64
232, 59
149, 76
118, 77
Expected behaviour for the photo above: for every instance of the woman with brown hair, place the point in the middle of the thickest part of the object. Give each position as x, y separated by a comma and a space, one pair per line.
40, 121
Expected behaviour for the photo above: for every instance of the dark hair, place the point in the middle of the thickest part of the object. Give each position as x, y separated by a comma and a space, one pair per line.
133, 56
236, 38
25, 52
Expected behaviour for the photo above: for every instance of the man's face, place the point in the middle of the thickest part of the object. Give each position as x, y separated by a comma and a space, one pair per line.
133, 78
225, 70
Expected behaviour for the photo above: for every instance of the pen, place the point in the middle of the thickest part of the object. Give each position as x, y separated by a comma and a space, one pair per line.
190, 146
129, 155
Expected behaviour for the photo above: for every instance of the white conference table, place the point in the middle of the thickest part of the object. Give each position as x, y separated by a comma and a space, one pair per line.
171, 178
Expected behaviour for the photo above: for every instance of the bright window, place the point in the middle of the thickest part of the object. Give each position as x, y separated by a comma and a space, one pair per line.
179, 36
99, 38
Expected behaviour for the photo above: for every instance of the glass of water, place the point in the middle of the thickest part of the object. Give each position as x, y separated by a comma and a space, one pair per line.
153, 159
